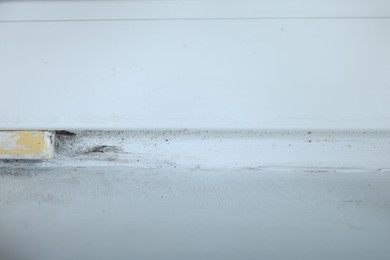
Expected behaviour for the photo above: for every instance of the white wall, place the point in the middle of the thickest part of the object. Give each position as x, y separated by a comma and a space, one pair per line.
195, 64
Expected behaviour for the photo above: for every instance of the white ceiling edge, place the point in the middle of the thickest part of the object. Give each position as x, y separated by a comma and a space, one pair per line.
170, 9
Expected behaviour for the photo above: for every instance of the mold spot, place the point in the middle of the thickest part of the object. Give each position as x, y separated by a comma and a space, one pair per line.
65, 133
104, 149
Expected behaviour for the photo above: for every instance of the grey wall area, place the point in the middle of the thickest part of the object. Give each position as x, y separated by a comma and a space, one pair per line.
200, 195
171, 213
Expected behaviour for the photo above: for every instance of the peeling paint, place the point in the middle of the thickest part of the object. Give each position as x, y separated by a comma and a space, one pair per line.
26, 145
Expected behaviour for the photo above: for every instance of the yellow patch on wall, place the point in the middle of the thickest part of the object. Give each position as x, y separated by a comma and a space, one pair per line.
31, 145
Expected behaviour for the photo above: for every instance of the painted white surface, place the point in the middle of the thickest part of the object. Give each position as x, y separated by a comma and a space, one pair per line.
9, 141
197, 73
12, 10
132, 213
